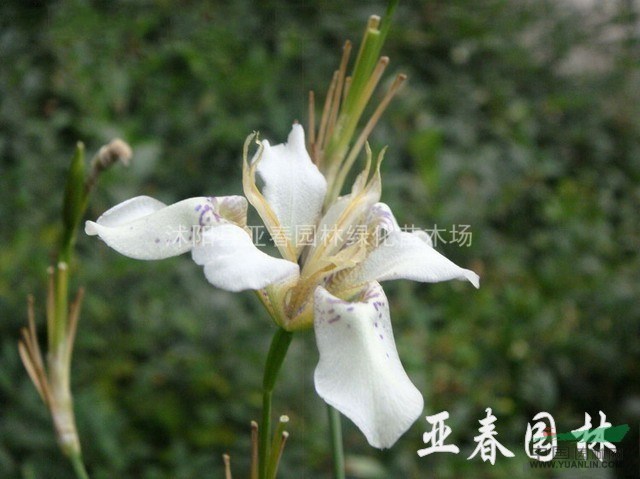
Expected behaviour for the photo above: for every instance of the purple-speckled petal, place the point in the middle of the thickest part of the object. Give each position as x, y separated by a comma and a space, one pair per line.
145, 228
359, 372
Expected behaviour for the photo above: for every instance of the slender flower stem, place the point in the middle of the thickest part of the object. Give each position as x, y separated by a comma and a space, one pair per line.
265, 427
278, 350
335, 430
78, 466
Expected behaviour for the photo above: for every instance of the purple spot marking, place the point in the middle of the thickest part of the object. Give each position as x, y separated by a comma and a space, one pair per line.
350, 308
198, 207
157, 240
381, 336
202, 213
336, 301
334, 319
331, 311
375, 325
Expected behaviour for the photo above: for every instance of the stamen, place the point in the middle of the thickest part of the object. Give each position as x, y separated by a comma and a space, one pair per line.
372, 83
364, 98
325, 113
279, 440
227, 466
254, 450
312, 127
366, 131
282, 422
24, 350
32, 357
342, 71
33, 339
51, 306
279, 449
34, 347
347, 85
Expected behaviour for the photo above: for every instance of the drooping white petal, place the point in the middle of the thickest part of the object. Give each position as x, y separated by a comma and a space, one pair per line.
293, 185
359, 372
145, 228
231, 261
408, 256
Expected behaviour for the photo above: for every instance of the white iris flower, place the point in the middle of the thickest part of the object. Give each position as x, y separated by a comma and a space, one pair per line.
328, 277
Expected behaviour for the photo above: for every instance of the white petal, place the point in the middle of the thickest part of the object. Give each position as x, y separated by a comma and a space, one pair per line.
408, 256
129, 210
144, 228
359, 372
232, 262
381, 217
293, 185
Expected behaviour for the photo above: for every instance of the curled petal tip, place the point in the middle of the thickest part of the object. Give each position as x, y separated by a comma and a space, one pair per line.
90, 228
473, 278
296, 137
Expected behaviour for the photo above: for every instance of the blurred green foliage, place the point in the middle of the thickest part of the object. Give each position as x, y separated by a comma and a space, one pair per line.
521, 119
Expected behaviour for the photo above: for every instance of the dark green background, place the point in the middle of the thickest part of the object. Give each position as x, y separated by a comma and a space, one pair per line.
520, 119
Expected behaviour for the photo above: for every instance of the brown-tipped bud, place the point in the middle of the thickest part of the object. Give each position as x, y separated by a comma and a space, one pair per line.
112, 152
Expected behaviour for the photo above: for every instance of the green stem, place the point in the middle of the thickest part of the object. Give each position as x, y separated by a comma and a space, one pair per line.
335, 430
62, 305
278, 350
265, 430
78, 466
